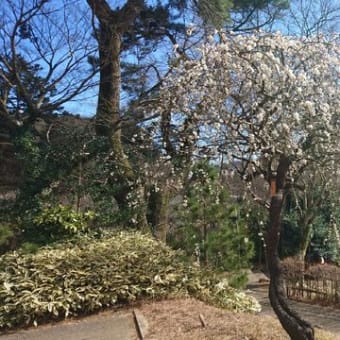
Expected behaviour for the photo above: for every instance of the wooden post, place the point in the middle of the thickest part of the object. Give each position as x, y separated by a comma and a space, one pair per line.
203, 322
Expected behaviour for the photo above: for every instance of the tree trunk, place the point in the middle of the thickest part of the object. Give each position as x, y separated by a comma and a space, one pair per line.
307, 228
112, 24
108, 116
204, 243
158, 210
297, 328
108, 120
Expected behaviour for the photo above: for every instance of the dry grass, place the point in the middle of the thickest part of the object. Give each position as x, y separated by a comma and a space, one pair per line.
179, 319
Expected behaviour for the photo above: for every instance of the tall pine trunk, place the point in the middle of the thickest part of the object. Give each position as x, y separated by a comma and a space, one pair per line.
297, 328
108, 120
112, 24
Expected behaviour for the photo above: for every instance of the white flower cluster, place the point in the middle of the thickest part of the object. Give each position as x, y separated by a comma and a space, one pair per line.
261, 96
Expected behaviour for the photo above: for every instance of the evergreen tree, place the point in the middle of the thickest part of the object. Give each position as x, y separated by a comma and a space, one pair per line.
211, 226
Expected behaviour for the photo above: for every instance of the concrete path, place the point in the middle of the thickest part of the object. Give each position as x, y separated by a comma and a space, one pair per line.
326, 318
110, 325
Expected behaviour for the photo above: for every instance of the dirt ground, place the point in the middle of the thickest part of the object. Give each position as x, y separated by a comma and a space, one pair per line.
180, 319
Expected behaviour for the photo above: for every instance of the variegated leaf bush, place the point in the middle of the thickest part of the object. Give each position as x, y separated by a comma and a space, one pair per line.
87, 274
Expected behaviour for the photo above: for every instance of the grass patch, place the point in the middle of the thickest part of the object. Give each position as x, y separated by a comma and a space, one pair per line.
87, 274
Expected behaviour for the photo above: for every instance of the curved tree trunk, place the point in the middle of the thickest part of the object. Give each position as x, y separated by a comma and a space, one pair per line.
297, 328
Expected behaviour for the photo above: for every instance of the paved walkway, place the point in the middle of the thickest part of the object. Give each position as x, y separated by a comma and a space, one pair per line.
110, 325
326, 318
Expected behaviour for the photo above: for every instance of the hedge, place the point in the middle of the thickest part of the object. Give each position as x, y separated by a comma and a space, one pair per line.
86, 274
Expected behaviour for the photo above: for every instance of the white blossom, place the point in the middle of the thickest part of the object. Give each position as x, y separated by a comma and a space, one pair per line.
258, 96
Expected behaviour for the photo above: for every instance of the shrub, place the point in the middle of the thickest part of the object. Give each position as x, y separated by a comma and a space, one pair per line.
63, 219
7, 235
86, 273
54, 223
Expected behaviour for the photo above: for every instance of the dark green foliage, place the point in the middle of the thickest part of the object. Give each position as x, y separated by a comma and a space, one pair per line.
202, 210
62, 220
7, 236
259, 4
238, 279
49, 224
290, 235
211, 227
251, 15
323, 222
74, 166
324, 242
32, 156
43, 163
256, 219
99, 182
88, 273
6, 233
30, 247
230, 248
214, 12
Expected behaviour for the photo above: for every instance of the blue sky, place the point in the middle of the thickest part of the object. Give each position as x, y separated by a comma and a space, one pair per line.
85, 104
292, 23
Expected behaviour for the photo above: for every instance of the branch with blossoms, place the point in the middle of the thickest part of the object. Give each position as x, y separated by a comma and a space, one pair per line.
257, 97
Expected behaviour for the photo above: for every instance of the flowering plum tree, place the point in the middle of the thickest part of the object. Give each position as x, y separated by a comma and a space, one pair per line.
270, 104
